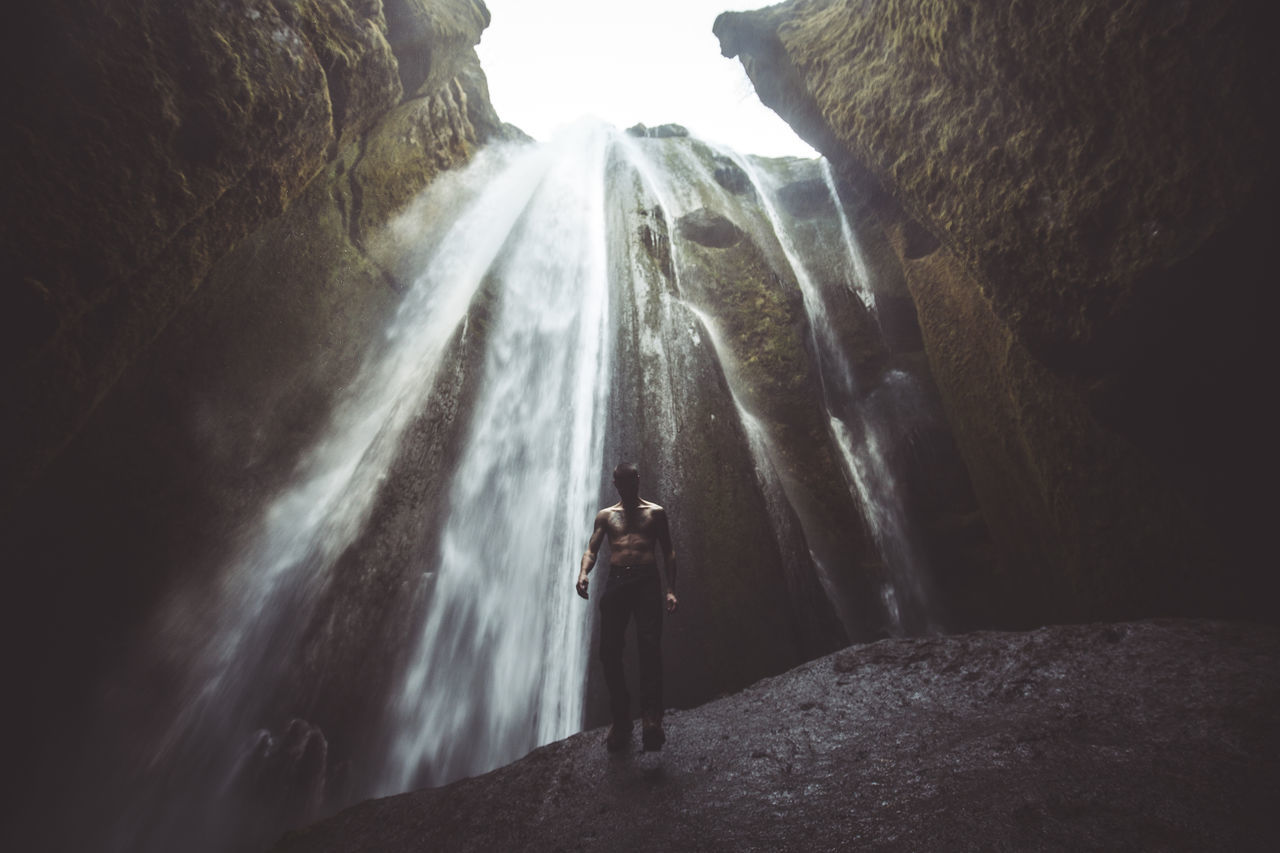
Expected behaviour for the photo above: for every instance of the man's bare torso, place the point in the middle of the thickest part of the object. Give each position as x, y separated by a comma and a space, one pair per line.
635, 528
633, 533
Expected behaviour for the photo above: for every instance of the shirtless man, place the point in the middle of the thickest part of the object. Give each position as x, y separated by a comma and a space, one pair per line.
634, 527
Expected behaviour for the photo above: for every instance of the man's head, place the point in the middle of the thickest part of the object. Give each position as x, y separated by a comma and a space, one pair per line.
626, 478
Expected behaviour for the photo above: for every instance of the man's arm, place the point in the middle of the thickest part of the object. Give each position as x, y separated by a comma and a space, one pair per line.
668, 559
593, 549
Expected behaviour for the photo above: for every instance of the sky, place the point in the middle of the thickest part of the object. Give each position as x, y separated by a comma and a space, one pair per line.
550, 62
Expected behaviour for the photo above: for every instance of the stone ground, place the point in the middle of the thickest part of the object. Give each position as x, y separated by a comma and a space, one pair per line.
1158, 735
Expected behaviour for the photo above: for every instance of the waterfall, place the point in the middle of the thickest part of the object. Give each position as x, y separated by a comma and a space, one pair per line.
492, 660
860, 423
528, 215
286, 562
500, 662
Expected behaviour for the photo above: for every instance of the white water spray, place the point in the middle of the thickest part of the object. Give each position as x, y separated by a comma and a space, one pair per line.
232, 645
500, 664
268, 593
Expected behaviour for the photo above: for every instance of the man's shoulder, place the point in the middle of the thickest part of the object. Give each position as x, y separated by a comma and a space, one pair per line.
603, 515
654, 508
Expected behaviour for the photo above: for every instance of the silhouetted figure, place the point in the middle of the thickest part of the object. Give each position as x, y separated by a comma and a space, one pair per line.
635, 527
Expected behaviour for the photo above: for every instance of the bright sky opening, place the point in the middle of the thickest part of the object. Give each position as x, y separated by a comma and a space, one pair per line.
550, 62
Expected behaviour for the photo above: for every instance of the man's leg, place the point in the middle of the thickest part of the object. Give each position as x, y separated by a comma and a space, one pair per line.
649, 647
614, 615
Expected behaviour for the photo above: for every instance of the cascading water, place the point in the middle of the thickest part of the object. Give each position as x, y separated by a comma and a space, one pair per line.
542, 461
302, 533
500, 663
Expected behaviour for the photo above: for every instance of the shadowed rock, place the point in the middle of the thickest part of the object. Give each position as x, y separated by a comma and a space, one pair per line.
709, 228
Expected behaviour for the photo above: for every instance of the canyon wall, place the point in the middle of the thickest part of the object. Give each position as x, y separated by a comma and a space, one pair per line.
193, 274
1078, 194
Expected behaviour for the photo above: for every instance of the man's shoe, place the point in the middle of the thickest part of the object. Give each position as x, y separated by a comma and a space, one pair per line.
653, 737
619, 737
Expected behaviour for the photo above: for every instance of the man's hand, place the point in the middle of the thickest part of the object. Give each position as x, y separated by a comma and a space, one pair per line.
672, 602
582, 584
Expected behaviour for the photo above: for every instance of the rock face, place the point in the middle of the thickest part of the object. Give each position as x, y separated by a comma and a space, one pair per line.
1125, 736
198, 268
1077, 195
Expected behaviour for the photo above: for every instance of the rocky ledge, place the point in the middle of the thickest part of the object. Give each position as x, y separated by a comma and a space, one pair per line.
1145, 735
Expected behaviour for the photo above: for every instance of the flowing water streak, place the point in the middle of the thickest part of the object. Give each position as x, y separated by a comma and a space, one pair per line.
860, 437
266, 595
860, 282
500, 664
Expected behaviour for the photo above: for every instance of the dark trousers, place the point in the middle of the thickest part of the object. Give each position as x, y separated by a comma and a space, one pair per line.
632, 591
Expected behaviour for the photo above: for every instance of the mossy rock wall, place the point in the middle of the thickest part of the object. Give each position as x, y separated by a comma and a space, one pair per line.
147, 139
235, 296
1079, 193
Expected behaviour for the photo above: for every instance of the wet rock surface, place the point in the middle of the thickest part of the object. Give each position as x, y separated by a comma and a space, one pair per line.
806, 199
1147, 735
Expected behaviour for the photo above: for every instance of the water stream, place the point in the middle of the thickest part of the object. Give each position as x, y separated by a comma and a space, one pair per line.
531, 217
500, 662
